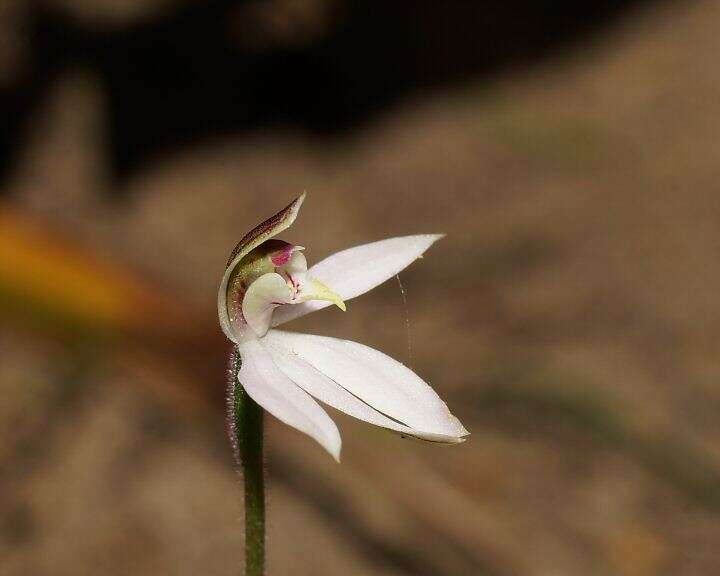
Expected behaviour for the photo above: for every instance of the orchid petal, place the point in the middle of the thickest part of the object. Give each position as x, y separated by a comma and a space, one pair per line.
297, 264
308, 287
354, 271
262, 297
333, 394
383, 383
276, 393
262, 232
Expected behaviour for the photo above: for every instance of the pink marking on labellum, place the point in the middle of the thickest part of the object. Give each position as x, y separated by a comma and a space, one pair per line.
282, 256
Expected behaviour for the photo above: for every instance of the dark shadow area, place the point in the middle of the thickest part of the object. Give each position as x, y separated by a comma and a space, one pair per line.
208, 69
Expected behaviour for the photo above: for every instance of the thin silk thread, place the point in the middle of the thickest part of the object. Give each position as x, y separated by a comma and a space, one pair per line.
407, 319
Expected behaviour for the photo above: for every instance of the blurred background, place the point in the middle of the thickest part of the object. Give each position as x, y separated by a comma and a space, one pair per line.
570, 318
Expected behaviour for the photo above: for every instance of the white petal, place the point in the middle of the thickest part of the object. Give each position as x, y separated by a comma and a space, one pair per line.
277, 394
383, 383
262, 297
356, 270
330, 392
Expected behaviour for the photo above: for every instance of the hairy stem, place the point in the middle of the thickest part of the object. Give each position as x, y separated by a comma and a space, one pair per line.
246, 436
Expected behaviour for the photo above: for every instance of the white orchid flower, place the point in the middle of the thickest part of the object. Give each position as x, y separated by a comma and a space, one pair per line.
267, 283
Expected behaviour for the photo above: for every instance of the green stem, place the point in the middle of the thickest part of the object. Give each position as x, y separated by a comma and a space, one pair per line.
246, 428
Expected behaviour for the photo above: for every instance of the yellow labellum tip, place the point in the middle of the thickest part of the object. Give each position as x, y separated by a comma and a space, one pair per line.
322, 292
